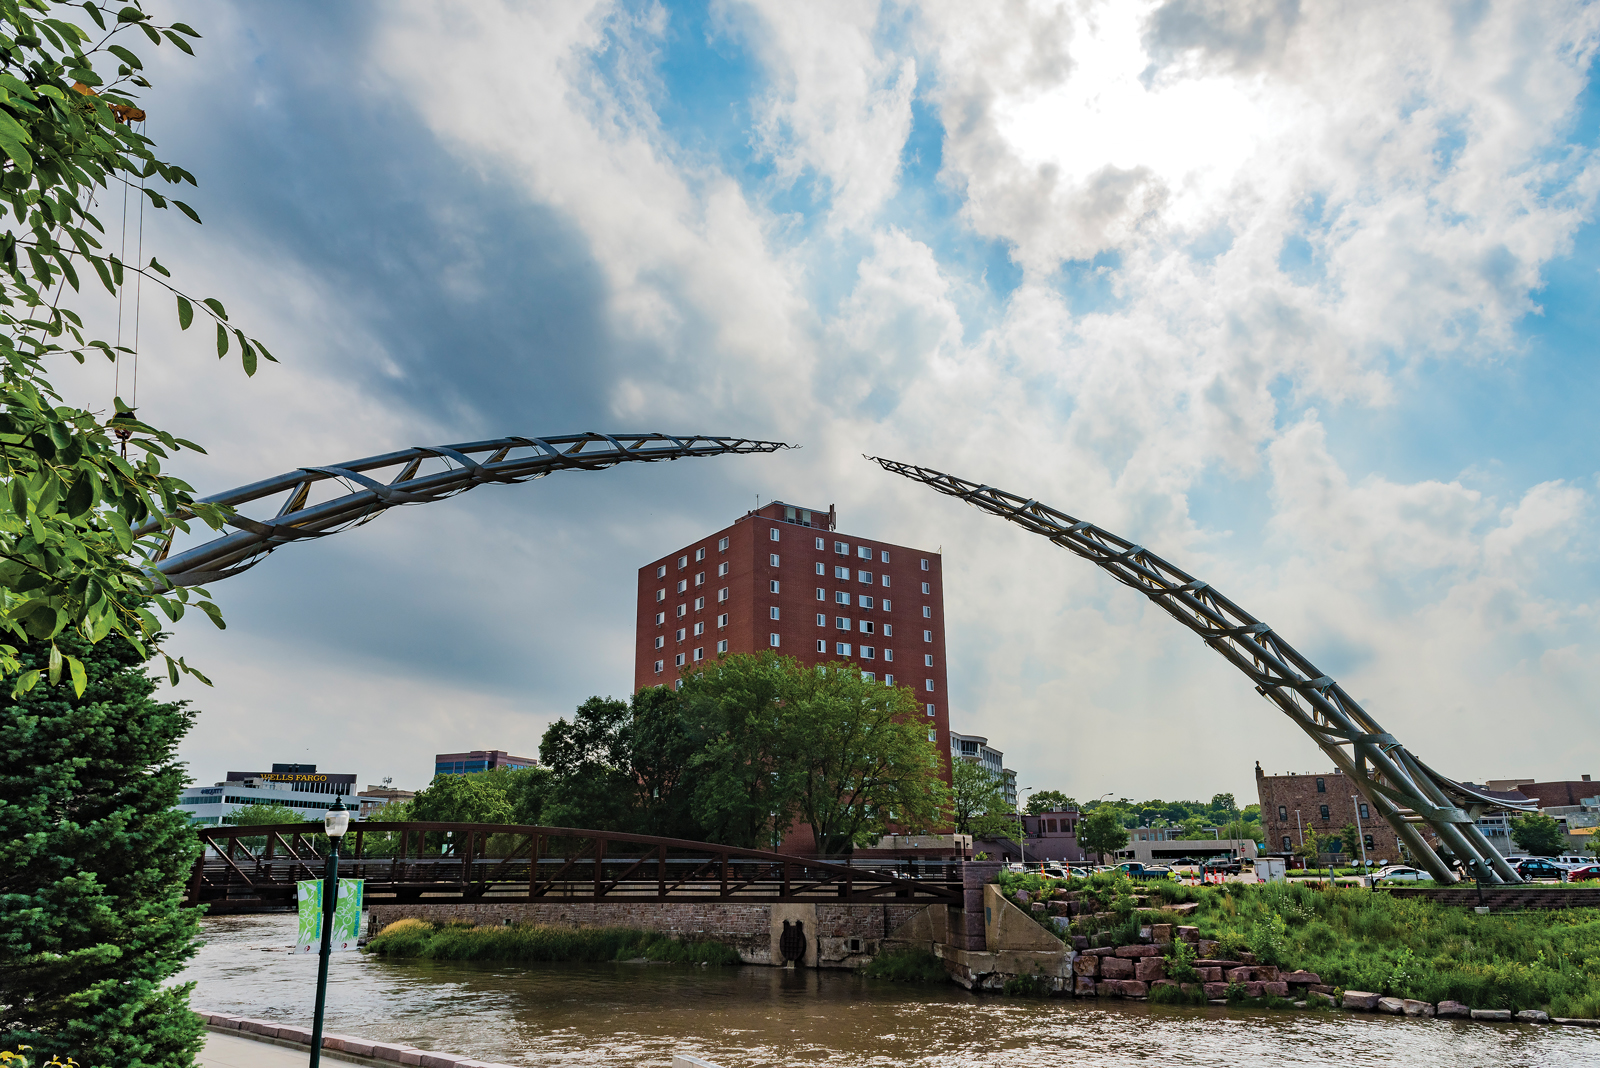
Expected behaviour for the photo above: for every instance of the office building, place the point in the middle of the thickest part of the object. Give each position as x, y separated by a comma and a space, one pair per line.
478, 760
299, 787
784, 579
977, 750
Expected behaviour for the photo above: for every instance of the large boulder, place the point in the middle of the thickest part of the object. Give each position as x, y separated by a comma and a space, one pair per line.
1526, 1016
1361, 1000
1116, 968
1418, 1008
1492, 1015
1317, 997
1301, 978
1239, 975
1138, 951
1267, 973
1392, 1006
1150, 969
1275, 990
1453, 1009
1207, 947
1216, 990
1083, 987
1210, 975
1133, 988
1255, 990
1188, 934
1086, 965
1161, 933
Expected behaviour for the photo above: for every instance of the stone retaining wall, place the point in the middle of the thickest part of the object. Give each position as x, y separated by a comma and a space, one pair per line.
1501, 898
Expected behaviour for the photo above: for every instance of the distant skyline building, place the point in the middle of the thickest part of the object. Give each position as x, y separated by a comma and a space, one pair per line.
784, 579
977, 750
478, 760
300, 787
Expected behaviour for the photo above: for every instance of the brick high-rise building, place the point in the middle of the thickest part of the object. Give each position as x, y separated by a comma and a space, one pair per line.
782, 579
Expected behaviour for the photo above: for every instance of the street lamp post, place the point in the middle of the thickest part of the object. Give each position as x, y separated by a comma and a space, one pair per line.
1022, 830
335, 823
1355, 799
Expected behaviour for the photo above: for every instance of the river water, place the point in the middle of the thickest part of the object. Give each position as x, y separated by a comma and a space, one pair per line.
641, 1014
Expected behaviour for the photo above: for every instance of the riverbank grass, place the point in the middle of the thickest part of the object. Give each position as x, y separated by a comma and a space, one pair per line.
907, 966
529, 942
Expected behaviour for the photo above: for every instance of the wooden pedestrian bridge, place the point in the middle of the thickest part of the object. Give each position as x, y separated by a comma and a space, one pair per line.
248, 868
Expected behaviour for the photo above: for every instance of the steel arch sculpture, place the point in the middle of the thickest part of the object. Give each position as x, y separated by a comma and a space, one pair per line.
454, 469
1393, 780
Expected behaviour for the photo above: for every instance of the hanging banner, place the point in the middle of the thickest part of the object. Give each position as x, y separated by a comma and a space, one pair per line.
346, 916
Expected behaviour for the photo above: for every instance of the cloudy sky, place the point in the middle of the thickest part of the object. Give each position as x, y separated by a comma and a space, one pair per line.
1299, 295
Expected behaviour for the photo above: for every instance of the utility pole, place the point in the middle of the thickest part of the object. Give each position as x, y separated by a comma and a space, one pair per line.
1355, 799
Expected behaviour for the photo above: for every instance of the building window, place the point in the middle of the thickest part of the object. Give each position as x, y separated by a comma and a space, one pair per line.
933, 735
722, 620
883, 557
772, 533
821, 544
700, 654
822, 646
926, 588
772, 613
722, 545
822, 594
888, 680
930, 710
927, 635
677, 684
864, 552
774, 586
661, 595
700, 553
865, 601
722, 595
821, 569
699, 603
888, 654
699, 578
661, 617
842, 548
924, 565
1322, 810
1287, 848
1322, 786
683, 585
842, 574
873, 675
822, 620
928, 685
841, 623
683, 562
867, 627
680, 660
841, 648
772, 640
772, 559
864, 576
660, 666
660, 641
722, 569
680, 634
887, 604
885, 579
841, 598
722, 646
927, 613
1364, 813
927, 660
683, 610
699, 629
1283, 813
661, 572
867, 652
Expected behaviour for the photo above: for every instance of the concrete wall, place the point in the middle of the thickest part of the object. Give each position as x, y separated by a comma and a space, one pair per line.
838, 935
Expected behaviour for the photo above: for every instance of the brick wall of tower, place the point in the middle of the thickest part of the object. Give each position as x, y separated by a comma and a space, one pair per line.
1281, 796
914, 636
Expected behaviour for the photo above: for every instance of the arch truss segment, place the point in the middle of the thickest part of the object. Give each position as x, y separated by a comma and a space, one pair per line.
1398, 786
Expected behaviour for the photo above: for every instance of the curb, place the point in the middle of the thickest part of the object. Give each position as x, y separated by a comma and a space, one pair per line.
340, 1047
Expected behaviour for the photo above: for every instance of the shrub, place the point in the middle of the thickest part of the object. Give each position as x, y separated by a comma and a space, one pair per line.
907, 966
1172, 995
460, 940
1027, 986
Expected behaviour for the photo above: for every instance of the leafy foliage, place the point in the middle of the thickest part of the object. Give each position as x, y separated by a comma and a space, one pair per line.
1101, 832
267, 815
1539, 834
977, 804
93, 859
525, 942
70, 503
1049, 801
911, 965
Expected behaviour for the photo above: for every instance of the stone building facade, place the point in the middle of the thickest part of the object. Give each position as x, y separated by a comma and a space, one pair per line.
1293, 806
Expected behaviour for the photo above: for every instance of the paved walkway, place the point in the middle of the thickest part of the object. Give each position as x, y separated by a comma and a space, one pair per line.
229, 1051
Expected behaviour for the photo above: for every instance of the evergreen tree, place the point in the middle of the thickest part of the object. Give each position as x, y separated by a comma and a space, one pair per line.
93, 863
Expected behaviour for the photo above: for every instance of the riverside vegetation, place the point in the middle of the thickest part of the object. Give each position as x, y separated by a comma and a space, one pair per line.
525, 942
1363, 939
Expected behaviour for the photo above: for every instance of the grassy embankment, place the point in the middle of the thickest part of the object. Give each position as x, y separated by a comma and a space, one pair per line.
522, 943
1368, 940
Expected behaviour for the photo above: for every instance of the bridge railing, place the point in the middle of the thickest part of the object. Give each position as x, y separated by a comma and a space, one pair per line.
475, 861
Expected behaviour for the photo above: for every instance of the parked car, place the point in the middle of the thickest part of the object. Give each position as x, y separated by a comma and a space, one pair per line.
1540, 868
1081, 873
1584, 872
1398, 873
1224, 865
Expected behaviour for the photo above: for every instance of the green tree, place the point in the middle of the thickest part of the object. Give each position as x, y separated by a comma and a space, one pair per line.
71, 498
1539, 834
1049, 801
265, 816
94, 857
860, 755
1222, 803
1309, 848
1195, 828
977, 802
1101, 832
479, 798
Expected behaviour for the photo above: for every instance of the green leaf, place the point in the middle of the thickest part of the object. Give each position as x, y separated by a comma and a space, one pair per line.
214, 612
186, 209
150, 32
172, 670
120, 530
13, 138
80, 678
126, 56
185, 313
216, 306
179, 41
55, 664
222, 341
247, 355
80, 498
156, 267
28, 681
60, 434
19, 498
94, 13
131, 14
183, 29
